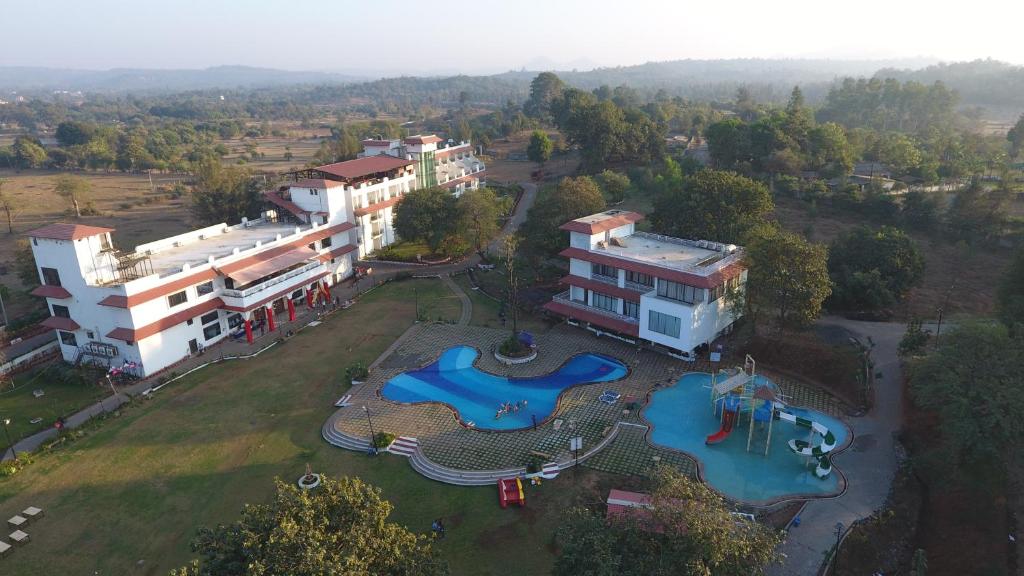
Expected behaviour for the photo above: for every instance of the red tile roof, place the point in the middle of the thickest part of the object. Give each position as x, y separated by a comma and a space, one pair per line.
64, 231
278, 294
710, 281
320, 234
376, 143
59, 323
620, 326
134, 335
594, 285
365, 166
340, 251
315, 183
56, 292
467, 178
275, 198
375, 207
603, 225
429, 139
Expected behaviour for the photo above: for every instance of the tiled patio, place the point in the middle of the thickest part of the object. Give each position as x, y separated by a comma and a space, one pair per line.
444, 441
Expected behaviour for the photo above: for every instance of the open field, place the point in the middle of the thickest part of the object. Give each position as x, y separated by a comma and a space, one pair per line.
19, 404
500, 168
274, 148
128, 498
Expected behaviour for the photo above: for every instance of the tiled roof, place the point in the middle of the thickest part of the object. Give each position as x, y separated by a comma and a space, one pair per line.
589, 225
64, 231
428, 139
364, 166
375, 207
710, 281
59, 323
620, 326
315, 183
134, 335
56, 292
595, 286
339, 251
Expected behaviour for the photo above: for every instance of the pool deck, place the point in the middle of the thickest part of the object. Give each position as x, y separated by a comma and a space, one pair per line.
445, 442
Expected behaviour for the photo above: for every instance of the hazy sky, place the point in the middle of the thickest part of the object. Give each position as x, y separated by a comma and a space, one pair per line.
493, 36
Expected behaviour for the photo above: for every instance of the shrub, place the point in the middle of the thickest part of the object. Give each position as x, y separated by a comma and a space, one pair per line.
513, 347
383, 439
356, 372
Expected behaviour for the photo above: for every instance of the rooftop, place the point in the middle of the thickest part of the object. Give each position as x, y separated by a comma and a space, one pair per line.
602, 221
196, 251
365, 166
65, 231
693, 256
423, 139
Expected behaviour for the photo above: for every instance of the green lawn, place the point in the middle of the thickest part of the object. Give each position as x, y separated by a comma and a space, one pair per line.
486, 309
21, 406
128, 498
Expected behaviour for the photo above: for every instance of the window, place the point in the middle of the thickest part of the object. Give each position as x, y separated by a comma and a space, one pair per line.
204, 288
297, 295
50, 276
177, 298
604, 270
234, 320
105, 242
61, 311
680, 292
631, 309
664, 324
190, 321
605, 302
314, 192
229, 283
90, 335
211, 331
207, 318
638, 278
325, 242
67, 338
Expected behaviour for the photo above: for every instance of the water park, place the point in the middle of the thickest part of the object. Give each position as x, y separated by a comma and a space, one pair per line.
464, 417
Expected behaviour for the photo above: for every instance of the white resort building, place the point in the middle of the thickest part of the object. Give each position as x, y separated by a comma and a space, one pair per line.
162, 301
640, 286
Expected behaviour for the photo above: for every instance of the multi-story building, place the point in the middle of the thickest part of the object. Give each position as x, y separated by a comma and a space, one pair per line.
448, 165
167, 299
640, 286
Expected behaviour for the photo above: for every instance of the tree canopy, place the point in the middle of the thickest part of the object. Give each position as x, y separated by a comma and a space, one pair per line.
711, 205
690, 531
340, 528
425, 214
1010, 294
872, 269
539, 148
224, 194
787, 277
555, 205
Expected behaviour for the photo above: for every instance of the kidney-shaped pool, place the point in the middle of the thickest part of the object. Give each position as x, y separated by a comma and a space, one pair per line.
478, 396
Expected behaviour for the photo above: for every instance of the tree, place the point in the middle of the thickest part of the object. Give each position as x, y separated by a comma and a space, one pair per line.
76, 189
728, 143
25, 265
340, 527
787, 277
509, 253
425, 214
9, 204
873, 269
1016, 137
27, 152
545, 89
72, 133
1010, 295
972, 382
978, 213
690, 531
478, 216
555, 205
614, 184
224, 194
830, 151
712, 205
798, 120
921, 210
539, 149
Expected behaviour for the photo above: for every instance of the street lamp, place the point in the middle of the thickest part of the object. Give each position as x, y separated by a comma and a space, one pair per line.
7, 432
835, 557
373, 446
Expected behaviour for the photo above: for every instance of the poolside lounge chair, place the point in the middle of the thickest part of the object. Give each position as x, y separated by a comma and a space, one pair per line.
610, 397
344, 401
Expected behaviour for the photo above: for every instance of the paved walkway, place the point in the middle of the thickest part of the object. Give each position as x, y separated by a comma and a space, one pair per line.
467, 304
869, 463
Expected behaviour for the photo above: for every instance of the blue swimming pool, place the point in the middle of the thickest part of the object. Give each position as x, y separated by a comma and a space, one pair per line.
682, 417
477, 395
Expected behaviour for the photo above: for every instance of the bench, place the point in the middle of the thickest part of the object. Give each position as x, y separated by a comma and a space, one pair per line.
19, 537
17, 521
5, 549
32, 512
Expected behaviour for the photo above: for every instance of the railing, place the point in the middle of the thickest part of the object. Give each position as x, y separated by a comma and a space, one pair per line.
611, 281
637, 287
230, 293
564, 298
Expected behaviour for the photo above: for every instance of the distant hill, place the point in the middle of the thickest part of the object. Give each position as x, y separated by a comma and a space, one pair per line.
991, 84
154, 80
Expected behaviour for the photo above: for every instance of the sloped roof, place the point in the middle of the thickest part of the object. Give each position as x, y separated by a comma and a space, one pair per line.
364, 166
65, 231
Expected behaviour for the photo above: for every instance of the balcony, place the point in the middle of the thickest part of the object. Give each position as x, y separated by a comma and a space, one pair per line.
564, 298
563, 305
252, 295
610, 280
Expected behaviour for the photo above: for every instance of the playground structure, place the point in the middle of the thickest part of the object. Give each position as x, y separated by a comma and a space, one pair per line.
510, 491
741, 391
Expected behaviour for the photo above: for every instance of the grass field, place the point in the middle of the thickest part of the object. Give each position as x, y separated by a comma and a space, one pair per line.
486, 309
19, 404
128, 498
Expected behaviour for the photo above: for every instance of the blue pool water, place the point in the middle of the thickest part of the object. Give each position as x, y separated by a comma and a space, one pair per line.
476, 395
682, 418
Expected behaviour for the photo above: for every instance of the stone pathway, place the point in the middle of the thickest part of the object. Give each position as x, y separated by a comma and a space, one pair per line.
467, 304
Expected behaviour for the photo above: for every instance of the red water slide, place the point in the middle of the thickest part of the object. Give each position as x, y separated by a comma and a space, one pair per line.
728, 419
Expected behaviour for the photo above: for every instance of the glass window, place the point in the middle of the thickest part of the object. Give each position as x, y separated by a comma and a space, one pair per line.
680, 292
61, 311
67, 338
604, 270
631, 309
177, 298
325, 242
50, 276
664, 324
235, 320
207, 318
204, 288
211, 331
605, 302
639, 278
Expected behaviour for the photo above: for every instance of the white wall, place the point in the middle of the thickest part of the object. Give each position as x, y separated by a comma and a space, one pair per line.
678, 309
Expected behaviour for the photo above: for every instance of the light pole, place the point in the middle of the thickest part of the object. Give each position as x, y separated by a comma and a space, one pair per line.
7, 422
416, 296
373, 446
835, 557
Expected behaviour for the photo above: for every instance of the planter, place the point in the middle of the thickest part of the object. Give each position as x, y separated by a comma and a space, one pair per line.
515, 359
309, 481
